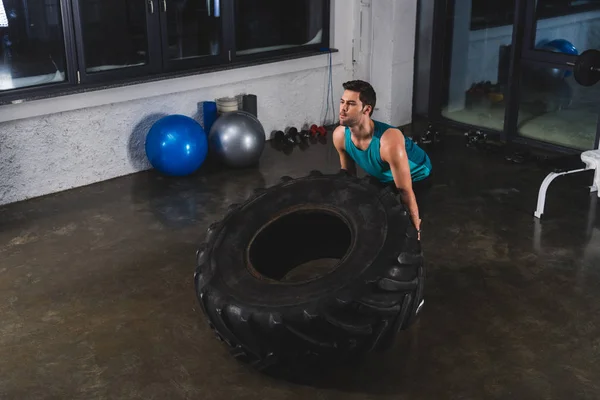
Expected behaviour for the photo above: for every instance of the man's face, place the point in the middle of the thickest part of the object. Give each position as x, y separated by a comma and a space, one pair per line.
352, 111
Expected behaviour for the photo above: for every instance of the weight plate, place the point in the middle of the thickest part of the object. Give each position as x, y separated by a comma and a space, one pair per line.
587, 66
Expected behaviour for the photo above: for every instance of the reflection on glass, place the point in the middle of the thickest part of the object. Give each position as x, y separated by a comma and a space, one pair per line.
480, 40
555, 109
267, 25
114, 34
31, 44
567, 26
194, 28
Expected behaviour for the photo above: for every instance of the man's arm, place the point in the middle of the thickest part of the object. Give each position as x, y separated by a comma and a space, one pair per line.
346, 162
393, 151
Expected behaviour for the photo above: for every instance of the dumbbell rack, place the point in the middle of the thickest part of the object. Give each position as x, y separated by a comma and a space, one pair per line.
293, 137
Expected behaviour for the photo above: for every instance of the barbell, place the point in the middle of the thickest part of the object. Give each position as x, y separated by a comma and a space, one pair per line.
586, 70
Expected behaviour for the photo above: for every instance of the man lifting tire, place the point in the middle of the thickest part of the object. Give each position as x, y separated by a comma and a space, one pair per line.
362, 228
381, 150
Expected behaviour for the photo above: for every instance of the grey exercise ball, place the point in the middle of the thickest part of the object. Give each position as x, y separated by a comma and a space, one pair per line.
237, 138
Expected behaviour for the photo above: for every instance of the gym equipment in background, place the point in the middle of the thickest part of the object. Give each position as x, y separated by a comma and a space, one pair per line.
176, 145
429, 138
558, 46
226, 105
292, 137
237, 139
249, 104
587, 68
586, 71
209, 111
475, 137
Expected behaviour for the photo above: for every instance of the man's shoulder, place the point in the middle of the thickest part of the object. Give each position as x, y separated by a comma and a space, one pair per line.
339, 129
391, 136
392, 139
338, 135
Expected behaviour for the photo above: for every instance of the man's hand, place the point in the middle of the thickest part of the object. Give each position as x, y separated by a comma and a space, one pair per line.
393, 151
346, 162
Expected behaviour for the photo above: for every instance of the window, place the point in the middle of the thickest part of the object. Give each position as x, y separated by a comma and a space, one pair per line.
558, 8
489, 14
49, 45
192, 33
113, 34
268, 25
31, 44
193, 30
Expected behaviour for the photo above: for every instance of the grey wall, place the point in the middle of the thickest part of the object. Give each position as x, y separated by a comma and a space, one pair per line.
392, 66
58, 151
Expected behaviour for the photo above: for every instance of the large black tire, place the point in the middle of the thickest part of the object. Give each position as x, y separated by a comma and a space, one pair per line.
375, 291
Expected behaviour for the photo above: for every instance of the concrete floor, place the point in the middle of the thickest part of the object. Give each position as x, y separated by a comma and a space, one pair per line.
97, 299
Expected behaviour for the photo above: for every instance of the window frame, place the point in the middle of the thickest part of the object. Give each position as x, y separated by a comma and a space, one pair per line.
281, 52
70, 62
153, 65
507, 20
159, 68
196, 63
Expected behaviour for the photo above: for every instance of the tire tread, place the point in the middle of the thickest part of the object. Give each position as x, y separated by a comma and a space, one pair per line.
349, 324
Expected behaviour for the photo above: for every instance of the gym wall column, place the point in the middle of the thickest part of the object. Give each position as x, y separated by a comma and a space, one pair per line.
423, 54
363, 42
393, 52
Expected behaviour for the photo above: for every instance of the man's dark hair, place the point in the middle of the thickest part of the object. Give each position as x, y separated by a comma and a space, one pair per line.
366, 92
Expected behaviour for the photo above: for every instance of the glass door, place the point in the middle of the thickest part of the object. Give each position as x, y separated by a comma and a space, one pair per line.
552, 107
478, 38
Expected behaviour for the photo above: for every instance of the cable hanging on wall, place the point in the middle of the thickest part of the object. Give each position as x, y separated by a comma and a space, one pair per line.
329, 94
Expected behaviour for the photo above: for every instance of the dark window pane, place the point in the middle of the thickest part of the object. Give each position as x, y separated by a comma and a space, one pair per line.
476, 76
114, 34
194, 28
265, 25
555, 109
31, 44
567, 27
486, 14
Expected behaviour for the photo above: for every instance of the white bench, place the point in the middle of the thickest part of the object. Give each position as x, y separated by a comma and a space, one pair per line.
590, 158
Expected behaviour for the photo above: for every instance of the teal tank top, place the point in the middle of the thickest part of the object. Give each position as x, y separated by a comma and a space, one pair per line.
370, 159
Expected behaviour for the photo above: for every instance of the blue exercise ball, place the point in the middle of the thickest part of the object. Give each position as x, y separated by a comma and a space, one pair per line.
176, 145
566, 47
558, 46
563, 46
